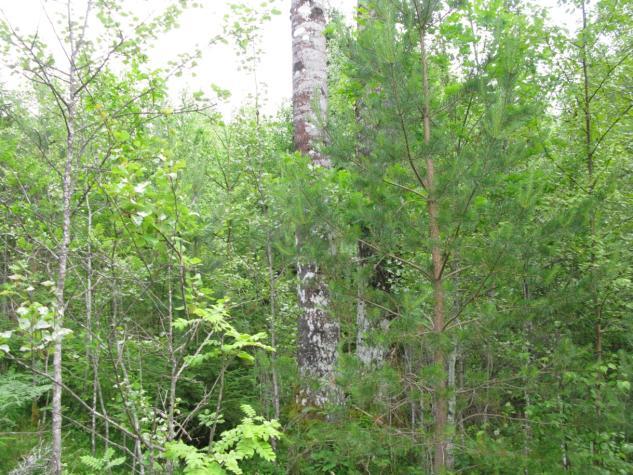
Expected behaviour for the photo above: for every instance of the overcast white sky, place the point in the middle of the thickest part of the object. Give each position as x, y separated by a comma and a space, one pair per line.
219, 64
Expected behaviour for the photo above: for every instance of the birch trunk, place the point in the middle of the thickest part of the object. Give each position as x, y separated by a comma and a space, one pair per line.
318, 332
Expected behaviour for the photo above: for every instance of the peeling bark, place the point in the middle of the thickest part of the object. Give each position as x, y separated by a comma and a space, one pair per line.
318, 335
309, 77
318, 332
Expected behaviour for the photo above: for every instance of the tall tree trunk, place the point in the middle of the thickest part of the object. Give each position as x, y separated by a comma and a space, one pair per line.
368, 352
590, 175
318, 332
69, 110
309, 77
589, 156
68, 188
440, 402
173, 361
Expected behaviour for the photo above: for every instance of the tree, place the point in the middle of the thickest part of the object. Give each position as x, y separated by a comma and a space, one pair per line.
318, 331
456, 207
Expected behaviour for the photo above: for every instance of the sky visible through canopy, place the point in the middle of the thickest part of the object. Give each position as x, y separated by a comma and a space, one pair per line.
218, 64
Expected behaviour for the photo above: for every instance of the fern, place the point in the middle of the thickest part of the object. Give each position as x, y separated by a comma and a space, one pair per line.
104, 463
17, 390
248, 410
249, 439
196, 462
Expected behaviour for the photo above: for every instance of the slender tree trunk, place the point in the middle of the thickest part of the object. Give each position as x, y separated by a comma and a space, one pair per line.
566, 463
173, 377
452, 407
276, 396
590, 178
440, 403
90, 351
318, 332
5, 271
218, 406
527, 429
131, 409
413, 393
68, 188
273, 326
589, 157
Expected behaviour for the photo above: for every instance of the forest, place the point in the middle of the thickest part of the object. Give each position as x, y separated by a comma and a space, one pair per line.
421, 264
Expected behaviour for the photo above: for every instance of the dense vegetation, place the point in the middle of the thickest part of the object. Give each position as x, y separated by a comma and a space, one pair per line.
458, 216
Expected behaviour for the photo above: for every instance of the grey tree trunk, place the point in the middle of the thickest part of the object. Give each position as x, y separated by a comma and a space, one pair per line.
91, 355
318, 332
309, 77
76, 36
68, 188
452, 407
370, 352
273, 330
367, 351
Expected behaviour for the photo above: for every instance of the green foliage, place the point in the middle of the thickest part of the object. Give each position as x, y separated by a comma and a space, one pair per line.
180, 306
106, 462
16, 391
250, 438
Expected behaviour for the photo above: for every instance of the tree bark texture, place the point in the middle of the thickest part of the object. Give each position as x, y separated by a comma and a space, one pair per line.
68, 188
318, 332
440, 399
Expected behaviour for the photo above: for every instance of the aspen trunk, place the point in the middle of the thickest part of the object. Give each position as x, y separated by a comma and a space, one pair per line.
318, 332
309, 77
369, 353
